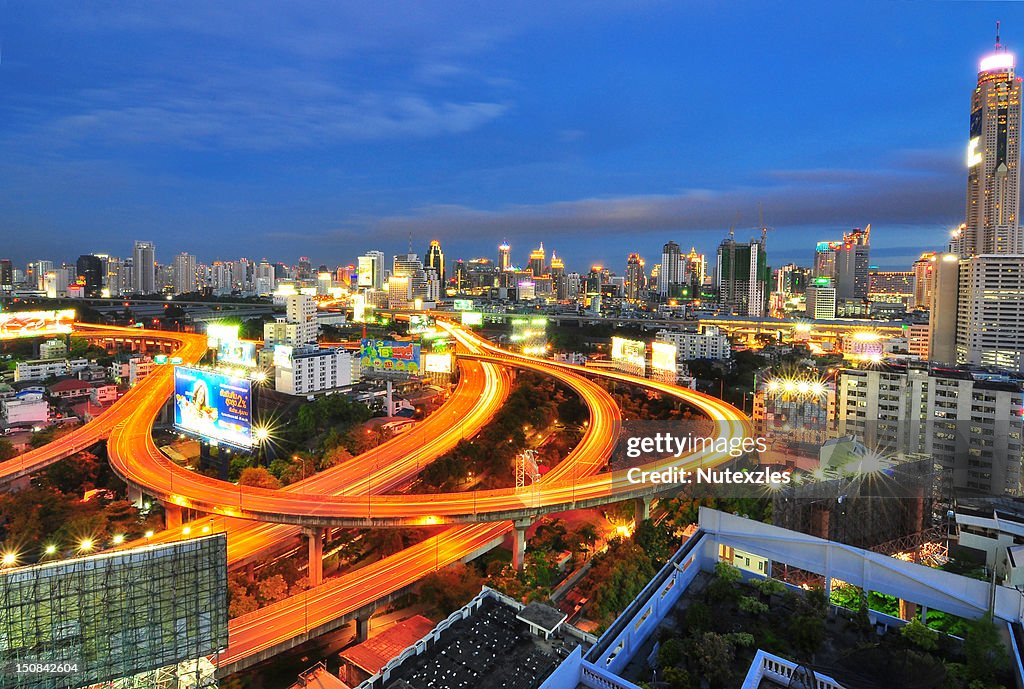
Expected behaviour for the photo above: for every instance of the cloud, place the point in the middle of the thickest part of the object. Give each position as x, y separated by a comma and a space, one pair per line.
899, 194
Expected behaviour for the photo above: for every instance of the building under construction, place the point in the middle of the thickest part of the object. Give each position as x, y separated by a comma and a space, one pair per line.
889, 509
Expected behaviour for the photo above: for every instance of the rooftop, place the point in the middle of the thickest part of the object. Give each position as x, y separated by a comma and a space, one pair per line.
373, 654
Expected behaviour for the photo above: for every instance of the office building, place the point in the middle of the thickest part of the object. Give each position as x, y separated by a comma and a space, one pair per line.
144, 268
635, 282
742, 276
696, 267
504, 257
435, 260
89, 271
409, 266
992, 223
672, 274
266, 281
370, 267
558, 283
990, 312
891, 285
537, 263
6, 275
924, 275
852, 279
968, 421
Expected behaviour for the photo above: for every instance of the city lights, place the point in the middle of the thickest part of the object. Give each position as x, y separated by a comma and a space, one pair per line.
85, 544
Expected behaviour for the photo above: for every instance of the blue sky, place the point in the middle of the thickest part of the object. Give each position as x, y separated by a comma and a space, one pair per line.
326, 129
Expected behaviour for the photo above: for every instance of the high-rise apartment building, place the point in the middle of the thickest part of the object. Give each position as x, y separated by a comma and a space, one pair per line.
266, 280
968, 422
299, 325
742, 276
435, 260
144, 268
852, 258
993, 160
942, 316
990, 312
183, 275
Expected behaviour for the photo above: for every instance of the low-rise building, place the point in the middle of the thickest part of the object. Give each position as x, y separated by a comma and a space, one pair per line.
70, 389
53, 349
41, 369
29, 408
707, 343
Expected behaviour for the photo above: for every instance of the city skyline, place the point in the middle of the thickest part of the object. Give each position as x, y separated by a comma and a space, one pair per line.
459, 130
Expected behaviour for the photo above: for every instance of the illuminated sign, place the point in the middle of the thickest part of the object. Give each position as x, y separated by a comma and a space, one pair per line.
631, 352
995, 62
663, 356
437, 363
216, 333
823, 282
213, 405
283, 356
391, 357
240, 353
472, 318
35, 323
973, 154
160, 359
420, 324
462, 304
359, 308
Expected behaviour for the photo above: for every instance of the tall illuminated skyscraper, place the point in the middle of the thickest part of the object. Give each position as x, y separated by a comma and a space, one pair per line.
144, 267
435, 259
537, 260
558, 276
673, 271
504, 257
993, 160
636, 279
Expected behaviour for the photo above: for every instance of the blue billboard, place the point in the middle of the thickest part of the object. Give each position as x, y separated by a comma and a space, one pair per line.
388, 356
240, 353
213, 405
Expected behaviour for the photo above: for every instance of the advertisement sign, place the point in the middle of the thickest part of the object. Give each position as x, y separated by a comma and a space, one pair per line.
663, 356
388, 356
359, 308
462, 304
472, 318
239, 353
283, 356
35, 323
213, 405
420, 324
216, 333
631, 352
437, 363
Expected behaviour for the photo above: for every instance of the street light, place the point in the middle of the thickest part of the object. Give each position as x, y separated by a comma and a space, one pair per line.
85, 544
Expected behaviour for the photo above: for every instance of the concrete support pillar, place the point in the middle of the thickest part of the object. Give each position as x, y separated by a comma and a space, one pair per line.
314, 537
641, 509
362, 629
519, 547
172, 516
908, 610
924, 614
135, 496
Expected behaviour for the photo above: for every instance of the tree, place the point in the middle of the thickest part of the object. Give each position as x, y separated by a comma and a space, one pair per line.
76, 474
6, 449
450, 588
258, 477
654, 539
919, 635
671, 653
711, 656
986, 656
272, 589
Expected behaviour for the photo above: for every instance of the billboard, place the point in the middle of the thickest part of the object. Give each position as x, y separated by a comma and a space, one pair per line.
117, 615
472, 318
663, 356
437, 363
630, 352
283, 356
462, 304
216, 333
419, 323
213, 405
239, 353
388, 356
15, 324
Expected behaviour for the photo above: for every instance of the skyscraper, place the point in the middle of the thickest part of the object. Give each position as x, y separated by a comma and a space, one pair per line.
144, 268
636, 280
993, 160
504, 257
6, 275
742, 276
537, 261
942, 319
852, 259
673, 271
435, 259
90, 274
924, 280
558, 277
371, 270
